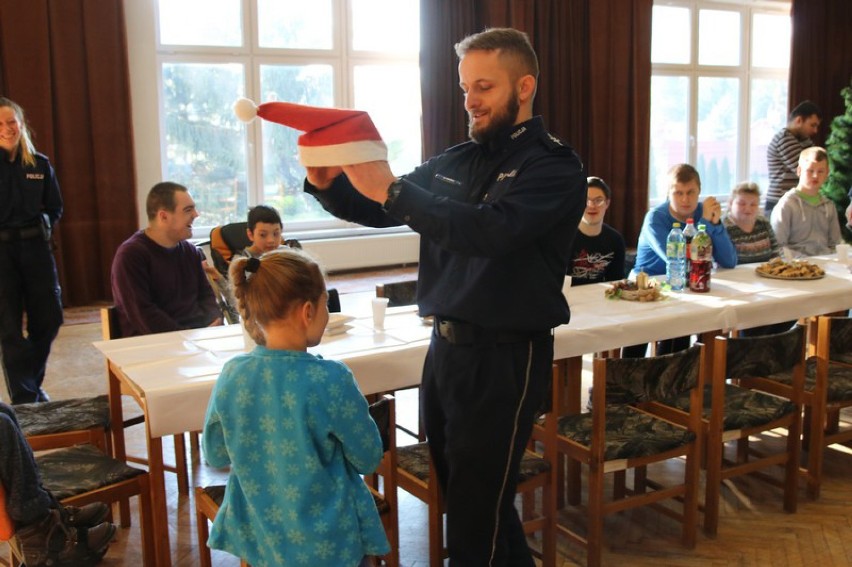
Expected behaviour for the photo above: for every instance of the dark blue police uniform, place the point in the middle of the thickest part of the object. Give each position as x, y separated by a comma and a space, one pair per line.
496, 226
30, 205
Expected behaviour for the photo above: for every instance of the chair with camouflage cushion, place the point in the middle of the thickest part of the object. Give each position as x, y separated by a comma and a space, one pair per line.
617, 437
62, 423
398, 293
756, 387
827, 390
82, 474
416, 471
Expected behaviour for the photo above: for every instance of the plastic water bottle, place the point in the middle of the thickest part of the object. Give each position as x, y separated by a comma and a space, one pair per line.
676, 258
688, 233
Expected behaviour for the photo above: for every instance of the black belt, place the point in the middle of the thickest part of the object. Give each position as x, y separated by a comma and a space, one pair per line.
462, 333
21, 233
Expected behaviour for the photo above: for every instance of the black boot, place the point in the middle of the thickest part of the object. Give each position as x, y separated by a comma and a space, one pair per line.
86, 516
50, 542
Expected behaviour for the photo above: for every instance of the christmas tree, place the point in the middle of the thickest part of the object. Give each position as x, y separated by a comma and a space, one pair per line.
839, 148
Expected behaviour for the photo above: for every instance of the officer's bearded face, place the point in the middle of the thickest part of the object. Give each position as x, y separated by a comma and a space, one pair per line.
501, 120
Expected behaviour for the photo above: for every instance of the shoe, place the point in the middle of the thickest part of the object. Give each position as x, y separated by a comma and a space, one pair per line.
51, 543
86, 516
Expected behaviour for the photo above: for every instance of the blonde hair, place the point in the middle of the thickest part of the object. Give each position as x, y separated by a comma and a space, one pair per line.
267, 289
744, 188
683, 173
813, 153
25, 145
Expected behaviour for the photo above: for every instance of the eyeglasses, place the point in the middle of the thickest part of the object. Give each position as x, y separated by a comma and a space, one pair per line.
595, 202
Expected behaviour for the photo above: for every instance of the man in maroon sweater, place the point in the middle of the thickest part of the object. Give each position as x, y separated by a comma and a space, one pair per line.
158, 282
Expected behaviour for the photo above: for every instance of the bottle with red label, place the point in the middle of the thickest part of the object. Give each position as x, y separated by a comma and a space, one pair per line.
701, 261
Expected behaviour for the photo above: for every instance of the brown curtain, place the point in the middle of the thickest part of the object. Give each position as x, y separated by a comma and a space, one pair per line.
594, 88
65, 62
821, 57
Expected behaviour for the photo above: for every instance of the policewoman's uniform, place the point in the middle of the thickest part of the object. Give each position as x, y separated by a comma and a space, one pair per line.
30, 205
496, 226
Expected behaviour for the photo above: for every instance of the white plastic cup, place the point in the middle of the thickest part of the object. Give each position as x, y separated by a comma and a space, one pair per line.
380, 305
248, 342
843, 253
566, 286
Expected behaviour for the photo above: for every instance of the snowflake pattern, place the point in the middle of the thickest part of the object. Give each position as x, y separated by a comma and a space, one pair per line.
287, 420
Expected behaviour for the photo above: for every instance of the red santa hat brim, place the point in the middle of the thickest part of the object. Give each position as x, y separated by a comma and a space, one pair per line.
332, 137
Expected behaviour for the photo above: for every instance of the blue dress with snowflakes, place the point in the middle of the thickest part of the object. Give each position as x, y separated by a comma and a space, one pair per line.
296, 431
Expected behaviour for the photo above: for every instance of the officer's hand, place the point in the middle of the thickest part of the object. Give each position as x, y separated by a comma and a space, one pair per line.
712, 210
322, 177
371, 179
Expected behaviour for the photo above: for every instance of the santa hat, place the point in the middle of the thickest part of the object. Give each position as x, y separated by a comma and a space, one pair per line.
333, 136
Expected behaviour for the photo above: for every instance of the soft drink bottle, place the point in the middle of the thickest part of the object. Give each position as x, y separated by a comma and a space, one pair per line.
688, 233
676, 258
702, 261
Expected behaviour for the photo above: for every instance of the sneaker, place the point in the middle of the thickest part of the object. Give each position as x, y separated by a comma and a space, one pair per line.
52, 543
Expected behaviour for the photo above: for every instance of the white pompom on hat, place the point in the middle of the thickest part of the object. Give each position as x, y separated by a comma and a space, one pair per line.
333, 136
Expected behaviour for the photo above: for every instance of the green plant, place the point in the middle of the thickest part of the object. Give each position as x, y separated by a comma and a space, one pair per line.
839, 148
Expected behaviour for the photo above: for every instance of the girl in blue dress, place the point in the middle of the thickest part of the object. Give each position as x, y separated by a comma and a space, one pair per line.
294, 428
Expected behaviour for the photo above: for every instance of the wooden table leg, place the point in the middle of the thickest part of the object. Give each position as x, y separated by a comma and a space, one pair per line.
116, 420
573, 376
160, 517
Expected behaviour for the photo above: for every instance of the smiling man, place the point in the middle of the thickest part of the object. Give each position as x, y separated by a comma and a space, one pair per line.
496, 218
158, 282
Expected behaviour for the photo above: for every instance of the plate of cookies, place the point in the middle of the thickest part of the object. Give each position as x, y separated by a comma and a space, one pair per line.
779, 269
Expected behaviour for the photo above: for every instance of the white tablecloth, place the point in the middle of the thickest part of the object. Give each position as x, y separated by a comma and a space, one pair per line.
175, 372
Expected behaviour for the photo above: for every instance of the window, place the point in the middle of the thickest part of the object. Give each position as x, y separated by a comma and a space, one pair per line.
320, 53
718, 90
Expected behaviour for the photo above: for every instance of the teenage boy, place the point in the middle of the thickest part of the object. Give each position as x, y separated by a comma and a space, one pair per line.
598, 251
805, 221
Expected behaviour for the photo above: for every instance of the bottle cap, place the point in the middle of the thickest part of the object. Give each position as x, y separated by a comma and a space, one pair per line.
702, 226
689, 221
675, 225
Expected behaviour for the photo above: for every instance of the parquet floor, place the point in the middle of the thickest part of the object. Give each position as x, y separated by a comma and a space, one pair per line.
754, 531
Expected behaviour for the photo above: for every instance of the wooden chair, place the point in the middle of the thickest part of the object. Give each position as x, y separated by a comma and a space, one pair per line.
209, 499
82, 474
747, 398
617, 437
416, 471
62, 423
400, 294
827, 390
110, 330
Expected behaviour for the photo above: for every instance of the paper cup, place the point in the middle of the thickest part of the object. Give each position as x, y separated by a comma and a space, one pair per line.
566, 286
842, 252
380, 305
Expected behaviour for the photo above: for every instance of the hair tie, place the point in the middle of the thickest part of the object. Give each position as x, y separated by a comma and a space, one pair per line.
252, 265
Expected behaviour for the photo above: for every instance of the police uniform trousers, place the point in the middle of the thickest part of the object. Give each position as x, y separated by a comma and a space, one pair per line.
28, 282
478, 403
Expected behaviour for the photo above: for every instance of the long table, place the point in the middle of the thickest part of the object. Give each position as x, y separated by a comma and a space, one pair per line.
171, 375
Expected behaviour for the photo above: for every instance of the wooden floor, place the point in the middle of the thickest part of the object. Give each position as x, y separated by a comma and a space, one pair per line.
753, 531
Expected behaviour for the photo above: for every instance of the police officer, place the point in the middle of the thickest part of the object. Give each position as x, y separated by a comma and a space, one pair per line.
30, 205
496, 218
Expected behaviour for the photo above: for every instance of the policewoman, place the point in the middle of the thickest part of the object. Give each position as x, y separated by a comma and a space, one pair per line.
30, 206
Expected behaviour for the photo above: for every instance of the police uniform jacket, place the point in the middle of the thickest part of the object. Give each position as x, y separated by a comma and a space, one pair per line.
27, 192
496, 226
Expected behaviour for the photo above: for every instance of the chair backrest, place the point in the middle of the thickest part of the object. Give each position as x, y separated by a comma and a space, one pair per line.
655, 378
110, 328
225, 241
398, 293
749, 357
840, 337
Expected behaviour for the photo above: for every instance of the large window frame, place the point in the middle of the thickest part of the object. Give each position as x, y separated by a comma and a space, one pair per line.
744, 74
143, 33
